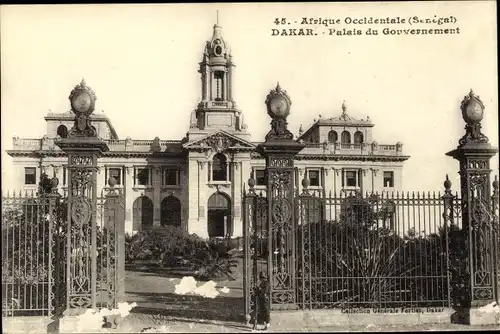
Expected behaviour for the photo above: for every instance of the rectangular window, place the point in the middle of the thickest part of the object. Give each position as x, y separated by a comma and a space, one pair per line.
314, 178
30, 175
116, 173
260, 177
170, 177
388, 179
351, 178
143, 176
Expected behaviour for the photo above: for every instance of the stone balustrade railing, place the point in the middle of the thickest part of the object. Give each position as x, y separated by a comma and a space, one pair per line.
350, 149
128, 145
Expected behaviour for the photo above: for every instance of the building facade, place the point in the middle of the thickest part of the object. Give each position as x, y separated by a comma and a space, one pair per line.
197, 182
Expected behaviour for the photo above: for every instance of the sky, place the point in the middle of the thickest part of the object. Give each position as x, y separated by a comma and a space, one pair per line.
142, 62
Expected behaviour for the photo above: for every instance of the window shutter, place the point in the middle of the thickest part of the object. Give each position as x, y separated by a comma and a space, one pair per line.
360, 178
135, 176
343, 178
105, 176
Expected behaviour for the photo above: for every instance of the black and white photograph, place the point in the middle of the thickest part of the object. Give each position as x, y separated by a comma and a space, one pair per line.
250, 167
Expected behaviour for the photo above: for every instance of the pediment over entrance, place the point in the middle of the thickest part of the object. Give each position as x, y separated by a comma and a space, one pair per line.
219, 142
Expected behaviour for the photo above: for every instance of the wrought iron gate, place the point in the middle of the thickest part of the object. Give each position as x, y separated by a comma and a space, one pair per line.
255, 260
35, 252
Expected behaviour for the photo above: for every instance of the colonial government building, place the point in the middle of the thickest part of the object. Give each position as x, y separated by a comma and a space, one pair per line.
197, 182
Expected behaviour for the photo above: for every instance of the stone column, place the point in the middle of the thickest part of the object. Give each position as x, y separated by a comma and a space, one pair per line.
224, 87
373, 179
156, 179
202, 198
197, 182
246, 171
328, 191
474, 153
230, 90
328, 180
128, 185
337, 180
101, 180
365, 185
237, 182
302, 174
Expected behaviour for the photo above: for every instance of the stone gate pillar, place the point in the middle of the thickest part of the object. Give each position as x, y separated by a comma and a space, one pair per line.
83, 148
279, 150
474, 153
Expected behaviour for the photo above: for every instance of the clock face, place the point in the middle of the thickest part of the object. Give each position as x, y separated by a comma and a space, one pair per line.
475, 111
82, 102
279, 107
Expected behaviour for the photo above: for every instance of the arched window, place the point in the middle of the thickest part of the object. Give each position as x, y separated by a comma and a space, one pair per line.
143, 213
358, 137
62, 131
332, 136
171, 211
219, 167
345, 138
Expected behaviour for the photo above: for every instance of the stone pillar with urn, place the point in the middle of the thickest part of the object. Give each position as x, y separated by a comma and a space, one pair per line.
279, 150
83, 148
479, 225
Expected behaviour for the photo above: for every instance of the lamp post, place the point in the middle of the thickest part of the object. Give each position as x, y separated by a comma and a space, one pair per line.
83, 148
279, 150
474, 153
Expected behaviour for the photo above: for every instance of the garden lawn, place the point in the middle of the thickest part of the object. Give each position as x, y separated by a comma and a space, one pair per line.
154, 292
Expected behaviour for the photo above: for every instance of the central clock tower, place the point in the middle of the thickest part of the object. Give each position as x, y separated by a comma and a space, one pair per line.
217, 109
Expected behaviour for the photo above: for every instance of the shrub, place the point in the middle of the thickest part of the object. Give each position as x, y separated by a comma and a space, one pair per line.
160, 244
210, 263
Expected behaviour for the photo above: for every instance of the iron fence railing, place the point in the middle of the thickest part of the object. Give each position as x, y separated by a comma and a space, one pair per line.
362, 250
373, 250
30, 238
35, 259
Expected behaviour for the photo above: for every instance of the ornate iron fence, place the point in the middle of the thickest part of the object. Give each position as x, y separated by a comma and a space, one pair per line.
373, 250
34, 253
361, 250
31, 243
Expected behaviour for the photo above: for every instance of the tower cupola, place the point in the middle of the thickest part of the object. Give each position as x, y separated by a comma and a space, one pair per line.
217, 109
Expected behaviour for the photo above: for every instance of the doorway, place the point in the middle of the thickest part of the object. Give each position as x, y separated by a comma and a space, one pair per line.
219, 221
